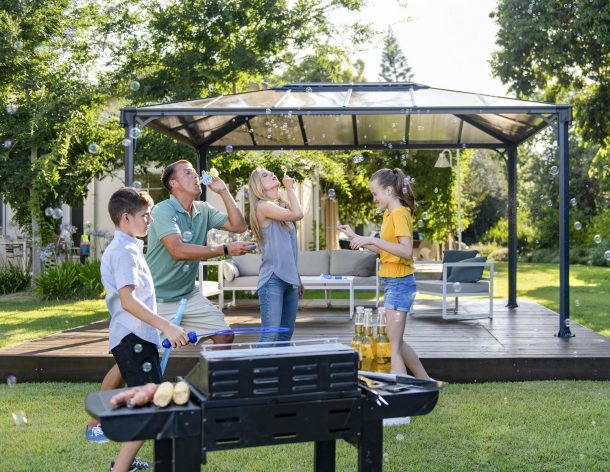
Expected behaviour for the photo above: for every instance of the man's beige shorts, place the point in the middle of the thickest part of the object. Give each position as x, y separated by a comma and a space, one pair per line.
199, 316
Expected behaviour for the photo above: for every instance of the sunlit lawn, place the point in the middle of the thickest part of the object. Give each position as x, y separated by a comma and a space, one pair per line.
23, 317
528, 426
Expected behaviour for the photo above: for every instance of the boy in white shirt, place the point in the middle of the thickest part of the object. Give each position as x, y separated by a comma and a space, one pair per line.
130, 296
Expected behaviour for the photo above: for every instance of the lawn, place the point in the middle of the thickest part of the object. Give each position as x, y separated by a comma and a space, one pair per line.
534, 426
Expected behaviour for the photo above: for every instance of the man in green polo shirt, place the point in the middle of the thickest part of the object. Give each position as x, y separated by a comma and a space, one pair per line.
177, 242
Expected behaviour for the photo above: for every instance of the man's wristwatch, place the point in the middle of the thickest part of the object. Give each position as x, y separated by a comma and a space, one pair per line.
226, 249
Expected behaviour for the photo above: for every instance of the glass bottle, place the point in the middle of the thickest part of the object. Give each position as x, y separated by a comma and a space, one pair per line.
358, 333
383, 353
368, 341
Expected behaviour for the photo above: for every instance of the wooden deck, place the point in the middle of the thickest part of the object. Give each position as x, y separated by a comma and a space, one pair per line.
515, 345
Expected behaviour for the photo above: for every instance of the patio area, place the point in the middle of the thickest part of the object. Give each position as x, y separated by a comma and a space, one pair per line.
516, 345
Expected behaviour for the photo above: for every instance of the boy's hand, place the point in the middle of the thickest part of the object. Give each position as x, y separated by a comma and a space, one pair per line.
176, 336
347, 230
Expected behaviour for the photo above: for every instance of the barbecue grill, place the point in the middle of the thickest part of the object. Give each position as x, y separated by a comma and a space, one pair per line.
253, 395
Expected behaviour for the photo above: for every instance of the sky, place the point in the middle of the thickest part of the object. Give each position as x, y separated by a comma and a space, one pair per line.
447, 43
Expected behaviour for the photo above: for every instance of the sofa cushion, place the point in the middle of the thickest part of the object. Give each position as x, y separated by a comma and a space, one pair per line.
313, 262
468, 273
230, 270
356, 263
456, 256
243, 282
248, 264
436, 287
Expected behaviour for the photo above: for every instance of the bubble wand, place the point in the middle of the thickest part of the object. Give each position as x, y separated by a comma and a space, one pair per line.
166, 344
252, 330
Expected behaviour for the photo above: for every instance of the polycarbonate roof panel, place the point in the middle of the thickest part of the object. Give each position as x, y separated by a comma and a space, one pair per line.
323, 115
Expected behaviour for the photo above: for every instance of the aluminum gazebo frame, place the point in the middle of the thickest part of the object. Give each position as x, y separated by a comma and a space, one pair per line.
328, 116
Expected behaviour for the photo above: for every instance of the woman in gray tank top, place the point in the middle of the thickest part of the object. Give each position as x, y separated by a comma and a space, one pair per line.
272, 221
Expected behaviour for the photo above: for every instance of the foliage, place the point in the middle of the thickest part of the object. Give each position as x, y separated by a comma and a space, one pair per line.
548, 47
473, 427
13, 279
70, 280
498, 234
394, 66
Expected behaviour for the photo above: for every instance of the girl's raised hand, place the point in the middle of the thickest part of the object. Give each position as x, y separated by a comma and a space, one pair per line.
288, 182
347, 230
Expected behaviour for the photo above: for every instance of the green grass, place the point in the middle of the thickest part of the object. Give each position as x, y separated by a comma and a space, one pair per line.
533, 426
24, 317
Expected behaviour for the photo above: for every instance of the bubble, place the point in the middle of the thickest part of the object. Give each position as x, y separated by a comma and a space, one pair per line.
378, 211
549, 202
147, 367
268, 111
581, 456
386, 457
420, 224
607, 255
405, 190
11, 380
250, 130
593, 423
457, 287
17, 45
186, 268
134, 86
442, 218
435, 190
20, 418
126, 142
390, 146
135, 133
358, 158
187, 236
331, 193
7, 144
597, 238
308, 90
573, 202
93, 148
400, 437
229, 148
12, 108
577, 302
554, 170
137, 348
57, 213
567, 322
424, 215
578, 225
48, 211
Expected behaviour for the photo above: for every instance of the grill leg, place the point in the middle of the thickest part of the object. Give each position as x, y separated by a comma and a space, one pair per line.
370, 446
163, 455
187, 453
324, 456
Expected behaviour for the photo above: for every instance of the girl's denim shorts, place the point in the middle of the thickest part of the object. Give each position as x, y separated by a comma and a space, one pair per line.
399, 292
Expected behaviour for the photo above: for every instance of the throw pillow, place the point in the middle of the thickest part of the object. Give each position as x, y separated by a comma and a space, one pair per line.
230, 270
468, 273
356, 263
248, 264
456, 256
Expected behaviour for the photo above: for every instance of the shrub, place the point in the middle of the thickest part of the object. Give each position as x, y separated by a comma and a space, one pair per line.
59, 283
91, 279
13, 279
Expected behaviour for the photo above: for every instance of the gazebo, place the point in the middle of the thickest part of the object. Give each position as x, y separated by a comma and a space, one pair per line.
351, 116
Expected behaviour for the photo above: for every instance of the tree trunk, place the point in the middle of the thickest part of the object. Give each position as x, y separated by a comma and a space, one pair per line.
36, 267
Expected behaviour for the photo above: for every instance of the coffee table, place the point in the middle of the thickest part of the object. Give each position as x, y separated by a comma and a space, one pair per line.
317, 282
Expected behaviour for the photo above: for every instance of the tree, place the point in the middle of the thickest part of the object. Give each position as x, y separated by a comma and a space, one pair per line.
557, 50
394, 67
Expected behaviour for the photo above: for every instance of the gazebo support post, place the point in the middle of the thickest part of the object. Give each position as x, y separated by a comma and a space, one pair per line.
563, 121
511, 170
128, 120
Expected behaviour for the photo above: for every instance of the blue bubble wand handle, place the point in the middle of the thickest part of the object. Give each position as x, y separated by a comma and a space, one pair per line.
177, 321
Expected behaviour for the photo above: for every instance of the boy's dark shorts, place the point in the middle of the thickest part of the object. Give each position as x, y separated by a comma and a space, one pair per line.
131, 363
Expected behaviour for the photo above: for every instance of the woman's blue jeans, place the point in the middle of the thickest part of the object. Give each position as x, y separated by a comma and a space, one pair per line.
279, 301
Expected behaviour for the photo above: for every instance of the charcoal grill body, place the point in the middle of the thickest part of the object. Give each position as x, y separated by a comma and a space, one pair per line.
311, 398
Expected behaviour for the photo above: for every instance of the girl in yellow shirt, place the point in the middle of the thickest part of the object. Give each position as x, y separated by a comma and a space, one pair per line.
393, 195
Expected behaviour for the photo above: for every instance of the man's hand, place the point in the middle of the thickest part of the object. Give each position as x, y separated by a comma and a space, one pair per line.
288, 182
176, 336
217, 185
240, 248
347, 230
301, 290
361, 241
